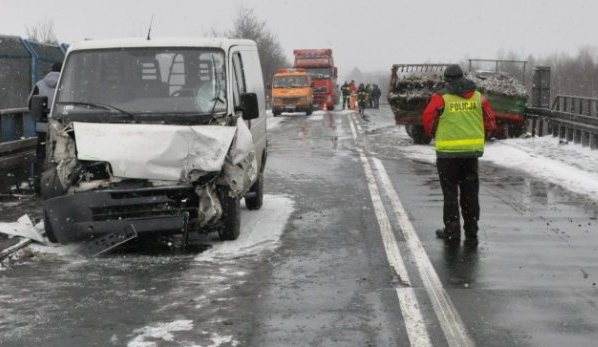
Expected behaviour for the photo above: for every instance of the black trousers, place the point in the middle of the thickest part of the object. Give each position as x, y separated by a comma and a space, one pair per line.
460, 186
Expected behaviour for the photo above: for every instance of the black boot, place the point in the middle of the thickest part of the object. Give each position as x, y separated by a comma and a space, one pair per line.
450, 233
471, 233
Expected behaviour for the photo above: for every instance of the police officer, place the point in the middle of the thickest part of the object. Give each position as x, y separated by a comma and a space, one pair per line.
459, 118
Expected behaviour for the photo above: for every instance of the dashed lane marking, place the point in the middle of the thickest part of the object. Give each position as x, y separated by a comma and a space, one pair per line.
414, 322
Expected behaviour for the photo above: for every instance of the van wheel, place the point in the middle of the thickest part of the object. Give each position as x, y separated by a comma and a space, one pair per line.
255, 197
231, 217
276, 113
48, 229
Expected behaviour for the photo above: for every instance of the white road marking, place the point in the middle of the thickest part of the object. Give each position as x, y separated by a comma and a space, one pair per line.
450, 321
414, 322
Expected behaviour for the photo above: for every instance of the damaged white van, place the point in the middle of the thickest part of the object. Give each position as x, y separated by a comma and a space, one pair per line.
159, 136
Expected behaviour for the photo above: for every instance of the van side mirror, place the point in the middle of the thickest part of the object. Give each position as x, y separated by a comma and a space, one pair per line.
250, 106
39, 107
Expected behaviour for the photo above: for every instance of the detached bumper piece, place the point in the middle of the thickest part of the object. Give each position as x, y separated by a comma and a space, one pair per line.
85, 216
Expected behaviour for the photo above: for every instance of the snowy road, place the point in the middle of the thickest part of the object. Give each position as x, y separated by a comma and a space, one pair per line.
342, 254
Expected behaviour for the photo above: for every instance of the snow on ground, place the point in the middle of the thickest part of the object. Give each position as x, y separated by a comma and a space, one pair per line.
150, 335
273, 122
260, 230
570, 166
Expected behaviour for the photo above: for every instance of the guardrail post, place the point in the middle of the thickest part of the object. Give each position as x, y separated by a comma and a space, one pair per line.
585, 139
541, 87
577, 134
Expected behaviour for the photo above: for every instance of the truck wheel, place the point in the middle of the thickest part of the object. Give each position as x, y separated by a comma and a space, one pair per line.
255, 197
231, 217
419, 136
48, 228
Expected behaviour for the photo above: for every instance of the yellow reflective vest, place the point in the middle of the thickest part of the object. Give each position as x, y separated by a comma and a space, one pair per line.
460, 131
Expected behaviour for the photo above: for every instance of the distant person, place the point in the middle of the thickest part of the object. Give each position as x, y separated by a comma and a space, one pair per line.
362, 101
376, 94
47, 85
353, 97
346, 92
368, 90
459, 118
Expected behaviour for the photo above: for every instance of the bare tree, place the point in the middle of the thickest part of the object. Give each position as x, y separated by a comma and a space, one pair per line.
247, 25
42, 32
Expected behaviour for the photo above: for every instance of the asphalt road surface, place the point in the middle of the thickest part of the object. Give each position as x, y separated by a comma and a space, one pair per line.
342, 254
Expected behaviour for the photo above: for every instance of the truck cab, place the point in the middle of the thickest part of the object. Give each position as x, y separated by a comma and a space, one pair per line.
319, 64
292, 92
158, 136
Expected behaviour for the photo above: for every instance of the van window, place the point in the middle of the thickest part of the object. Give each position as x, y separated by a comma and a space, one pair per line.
156, 80
239, 85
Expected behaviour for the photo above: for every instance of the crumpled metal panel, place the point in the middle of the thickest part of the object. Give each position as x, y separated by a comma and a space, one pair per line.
157, 151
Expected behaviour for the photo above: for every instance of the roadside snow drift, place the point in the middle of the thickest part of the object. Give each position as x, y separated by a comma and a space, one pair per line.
260, 230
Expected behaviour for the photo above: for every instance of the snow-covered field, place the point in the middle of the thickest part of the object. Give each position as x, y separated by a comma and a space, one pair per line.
568, 165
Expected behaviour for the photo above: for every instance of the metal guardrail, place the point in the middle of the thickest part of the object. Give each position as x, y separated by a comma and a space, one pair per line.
18, 139
576, 105
570, 125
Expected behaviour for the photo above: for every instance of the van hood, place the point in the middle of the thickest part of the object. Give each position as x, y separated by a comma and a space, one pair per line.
162, 152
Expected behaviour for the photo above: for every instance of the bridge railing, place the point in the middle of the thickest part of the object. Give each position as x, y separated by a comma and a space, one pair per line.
576, 105
571, 118
17, 138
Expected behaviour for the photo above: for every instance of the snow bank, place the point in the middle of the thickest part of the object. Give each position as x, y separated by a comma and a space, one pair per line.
564, 165
260, 230
273, 122
568, 165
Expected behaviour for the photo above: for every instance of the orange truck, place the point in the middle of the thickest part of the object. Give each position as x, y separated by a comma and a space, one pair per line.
292, 92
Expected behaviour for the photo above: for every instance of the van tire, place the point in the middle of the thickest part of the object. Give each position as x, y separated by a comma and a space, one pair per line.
255, 198
231, 218
276, 113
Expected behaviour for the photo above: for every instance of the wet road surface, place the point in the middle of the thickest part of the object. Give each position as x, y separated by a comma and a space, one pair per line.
343, 254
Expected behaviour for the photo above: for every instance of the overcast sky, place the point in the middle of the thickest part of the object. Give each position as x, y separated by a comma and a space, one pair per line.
368, 34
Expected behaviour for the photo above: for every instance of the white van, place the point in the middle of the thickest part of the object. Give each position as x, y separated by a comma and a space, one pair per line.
155, 136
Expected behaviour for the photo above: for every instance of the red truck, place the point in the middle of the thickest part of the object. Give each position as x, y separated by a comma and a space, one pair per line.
320, 66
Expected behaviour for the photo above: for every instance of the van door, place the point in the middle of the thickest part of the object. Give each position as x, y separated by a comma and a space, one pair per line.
246, 73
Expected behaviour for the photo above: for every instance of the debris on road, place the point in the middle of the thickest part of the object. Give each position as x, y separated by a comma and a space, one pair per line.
25, 229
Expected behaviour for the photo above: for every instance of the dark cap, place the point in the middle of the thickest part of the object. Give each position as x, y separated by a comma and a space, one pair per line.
453, 72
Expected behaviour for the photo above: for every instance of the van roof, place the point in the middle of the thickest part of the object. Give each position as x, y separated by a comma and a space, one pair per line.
223, 43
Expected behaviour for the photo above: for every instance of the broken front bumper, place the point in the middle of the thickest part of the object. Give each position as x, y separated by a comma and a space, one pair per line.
83, 216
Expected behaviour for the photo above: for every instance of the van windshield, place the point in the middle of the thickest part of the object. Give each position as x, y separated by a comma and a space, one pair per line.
290, 82
143, 81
